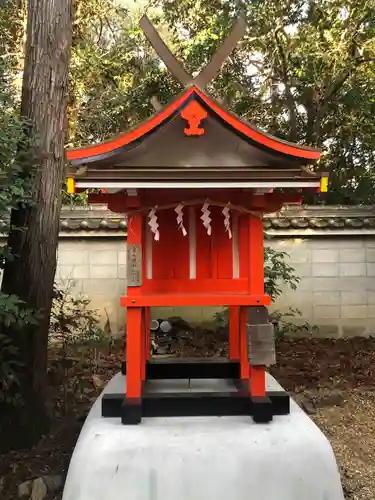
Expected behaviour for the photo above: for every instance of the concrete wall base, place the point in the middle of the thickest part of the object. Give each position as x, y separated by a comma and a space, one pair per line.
202, 458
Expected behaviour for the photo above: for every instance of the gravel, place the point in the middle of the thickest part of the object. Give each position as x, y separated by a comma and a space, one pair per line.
351, 431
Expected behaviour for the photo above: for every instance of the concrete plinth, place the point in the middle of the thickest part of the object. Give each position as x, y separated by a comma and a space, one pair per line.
202, 458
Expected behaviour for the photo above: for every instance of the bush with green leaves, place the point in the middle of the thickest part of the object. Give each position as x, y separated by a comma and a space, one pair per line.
75, 200
72, 319
13, 312
15, 184
278, 274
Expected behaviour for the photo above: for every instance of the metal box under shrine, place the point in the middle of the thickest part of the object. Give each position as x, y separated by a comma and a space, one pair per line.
194, 181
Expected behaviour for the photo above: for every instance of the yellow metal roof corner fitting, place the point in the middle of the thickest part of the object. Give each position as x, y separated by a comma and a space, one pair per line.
70, 185
324, 184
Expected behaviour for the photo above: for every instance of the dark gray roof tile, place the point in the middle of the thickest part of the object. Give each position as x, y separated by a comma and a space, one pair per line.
319, 218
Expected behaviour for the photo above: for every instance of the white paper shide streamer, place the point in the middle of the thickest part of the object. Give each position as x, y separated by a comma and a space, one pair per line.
180, 218
206, 219
226, 213
153, 223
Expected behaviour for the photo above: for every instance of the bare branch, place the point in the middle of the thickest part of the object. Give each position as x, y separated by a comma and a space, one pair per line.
100, 31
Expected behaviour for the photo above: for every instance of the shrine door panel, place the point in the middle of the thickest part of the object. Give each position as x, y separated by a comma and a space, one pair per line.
197, 262
214, 253
170, 255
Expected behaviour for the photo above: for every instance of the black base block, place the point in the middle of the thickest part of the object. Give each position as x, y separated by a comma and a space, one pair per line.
111, 405
280, 402
131, 411
280, 399
190, 368
189, 404
193, 404
262, 409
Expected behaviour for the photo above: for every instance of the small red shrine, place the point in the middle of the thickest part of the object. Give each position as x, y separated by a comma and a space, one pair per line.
195, 181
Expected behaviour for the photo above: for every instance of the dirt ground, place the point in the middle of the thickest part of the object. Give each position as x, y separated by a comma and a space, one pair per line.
334, 382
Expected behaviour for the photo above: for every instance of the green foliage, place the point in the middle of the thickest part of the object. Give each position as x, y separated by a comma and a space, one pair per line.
9, 366
72, 320
15, 186
114, 73
278, 275
77, 200
15, 172
285, 324
13, 312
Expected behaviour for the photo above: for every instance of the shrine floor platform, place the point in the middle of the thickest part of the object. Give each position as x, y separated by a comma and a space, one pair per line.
201, 458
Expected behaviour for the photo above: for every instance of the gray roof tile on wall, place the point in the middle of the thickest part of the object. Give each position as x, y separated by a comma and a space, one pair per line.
297, 219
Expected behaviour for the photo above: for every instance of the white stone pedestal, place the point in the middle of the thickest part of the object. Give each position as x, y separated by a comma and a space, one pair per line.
202, 458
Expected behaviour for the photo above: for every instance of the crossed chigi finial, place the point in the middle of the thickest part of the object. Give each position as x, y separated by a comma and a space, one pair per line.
213, 67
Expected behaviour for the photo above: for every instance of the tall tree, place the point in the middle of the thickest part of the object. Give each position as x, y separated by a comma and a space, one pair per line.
34, 228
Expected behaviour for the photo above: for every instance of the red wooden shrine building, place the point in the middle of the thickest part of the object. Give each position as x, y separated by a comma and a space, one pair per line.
194, 181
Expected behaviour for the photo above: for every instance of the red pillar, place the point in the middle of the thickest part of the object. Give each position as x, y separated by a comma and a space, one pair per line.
133, 353
257, 380
244, 362
256, 287
147, 332
143, 344
234, 333
256, 256
135, 336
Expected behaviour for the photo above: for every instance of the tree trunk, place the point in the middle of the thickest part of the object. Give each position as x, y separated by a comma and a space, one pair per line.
31, 275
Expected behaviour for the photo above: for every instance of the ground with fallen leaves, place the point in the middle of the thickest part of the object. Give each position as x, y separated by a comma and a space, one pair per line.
334, 381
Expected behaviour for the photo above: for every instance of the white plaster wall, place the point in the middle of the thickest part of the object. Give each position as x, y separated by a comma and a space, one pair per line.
96, 268
337, 287
336, 292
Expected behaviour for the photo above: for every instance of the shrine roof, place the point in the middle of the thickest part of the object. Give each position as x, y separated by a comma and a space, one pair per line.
272, 150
